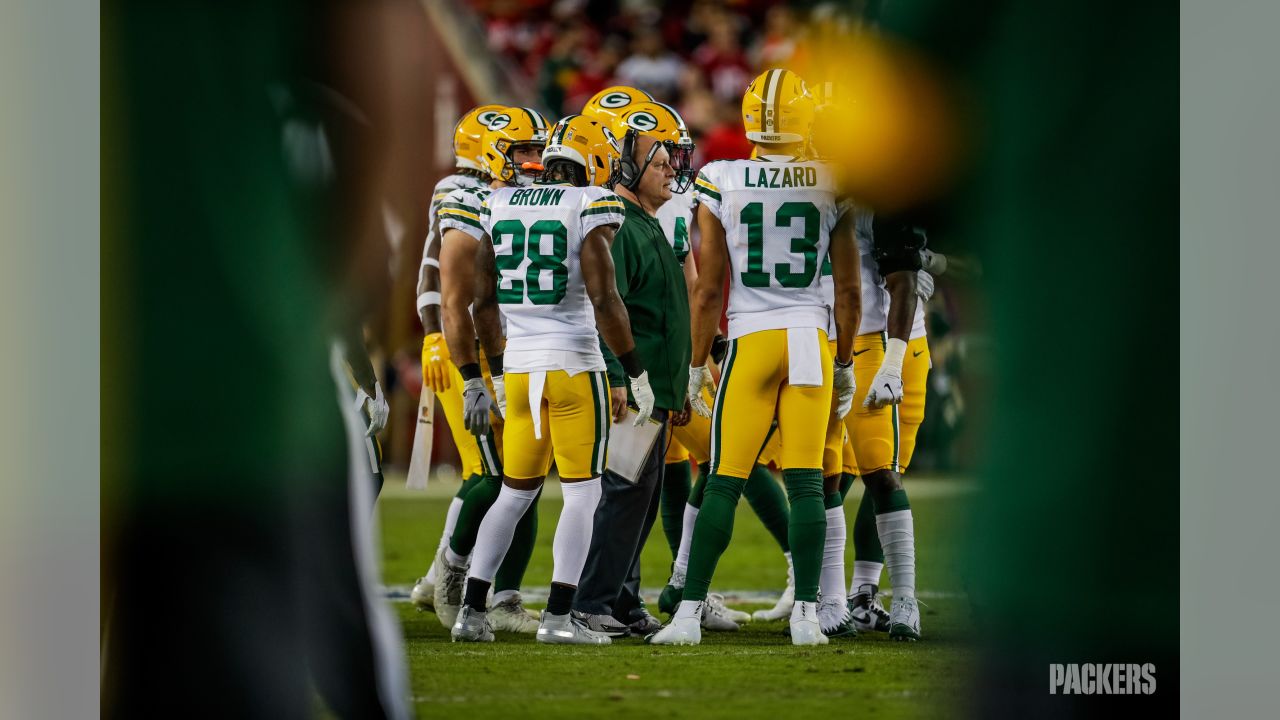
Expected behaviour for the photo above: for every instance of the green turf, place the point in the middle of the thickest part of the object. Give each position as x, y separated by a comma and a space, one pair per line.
749, 674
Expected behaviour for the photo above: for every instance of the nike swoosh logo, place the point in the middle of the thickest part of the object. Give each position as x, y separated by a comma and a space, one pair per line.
917, 354
856, 353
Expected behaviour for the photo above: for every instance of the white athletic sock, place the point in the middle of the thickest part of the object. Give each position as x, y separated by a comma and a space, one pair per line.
865, 572
454, 558
898, 538
687, 609
573, 531
502, 596
686, 539
831, 582
450, 522
496, 530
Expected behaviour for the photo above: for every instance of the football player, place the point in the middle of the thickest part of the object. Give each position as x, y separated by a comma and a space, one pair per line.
437, 370
515, 137
767, 223
549, 271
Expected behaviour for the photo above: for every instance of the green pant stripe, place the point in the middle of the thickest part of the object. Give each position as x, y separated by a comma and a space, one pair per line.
730, 356
602, 426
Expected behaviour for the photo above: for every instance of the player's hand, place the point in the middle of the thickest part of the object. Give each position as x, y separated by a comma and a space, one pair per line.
924, 285
680, 419
844, 386
719, 346
643, 394
885, 390
377, 408
477, 403
500, 394
618, 403
699, 378
435, 363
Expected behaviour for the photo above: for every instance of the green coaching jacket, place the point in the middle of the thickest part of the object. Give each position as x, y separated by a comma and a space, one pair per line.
651, 283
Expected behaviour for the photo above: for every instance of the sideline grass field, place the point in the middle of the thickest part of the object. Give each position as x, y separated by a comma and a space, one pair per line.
755, 673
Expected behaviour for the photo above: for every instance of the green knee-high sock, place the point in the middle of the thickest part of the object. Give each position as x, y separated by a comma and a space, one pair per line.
767, 499
474, 506
807, 530
511, 572
711, 533
699, 485
846, 484
467, 484
866, 539
676, 479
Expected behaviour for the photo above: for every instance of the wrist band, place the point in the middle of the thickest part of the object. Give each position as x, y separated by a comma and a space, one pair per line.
495, 365
631, 363
894, 351
470, 371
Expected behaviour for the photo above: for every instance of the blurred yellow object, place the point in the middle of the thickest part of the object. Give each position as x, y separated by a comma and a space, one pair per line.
884, 123
608, 105
512, 127
777, 108
435, 363
586, 142
467, 133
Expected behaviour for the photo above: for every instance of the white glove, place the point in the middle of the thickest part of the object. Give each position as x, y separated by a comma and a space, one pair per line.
377, 408
476, 405
699, 378
932, 262
643, 395
886, 386
924, 286
500, 394
843, 384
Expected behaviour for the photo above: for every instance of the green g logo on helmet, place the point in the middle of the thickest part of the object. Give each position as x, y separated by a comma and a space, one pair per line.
643, 121
485, 118
498, 121
615, 100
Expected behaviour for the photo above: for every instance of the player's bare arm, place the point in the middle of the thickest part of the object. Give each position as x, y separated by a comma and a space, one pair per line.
902, 303
602, 288
846, 272
457, 260
708, 291
488, 324
429, 285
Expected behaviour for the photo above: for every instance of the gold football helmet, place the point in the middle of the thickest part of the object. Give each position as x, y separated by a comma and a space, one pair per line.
661, 121
608, 104
510, 128
777, 108
466, 136
584, 142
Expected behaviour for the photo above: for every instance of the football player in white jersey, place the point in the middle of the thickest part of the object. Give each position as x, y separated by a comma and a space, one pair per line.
437, 370
549, 272
768, 223
516, 136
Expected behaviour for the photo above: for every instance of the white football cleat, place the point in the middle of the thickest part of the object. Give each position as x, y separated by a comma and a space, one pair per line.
448, 591
423, 595
805, 628
868, 613
567, 630
716, 600
713, 615
904, 619
510, 616
471, 626
680, 631
782, 609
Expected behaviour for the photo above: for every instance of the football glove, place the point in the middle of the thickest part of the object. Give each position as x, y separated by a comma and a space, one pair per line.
377, 408
500, 394
435, 363
699, 378
643, 395
885, 390
477, 403
845, 386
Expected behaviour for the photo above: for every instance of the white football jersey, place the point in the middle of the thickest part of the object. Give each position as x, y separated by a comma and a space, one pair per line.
676, 218
875, 294
778, 214
446, 185
918, 329
537, 235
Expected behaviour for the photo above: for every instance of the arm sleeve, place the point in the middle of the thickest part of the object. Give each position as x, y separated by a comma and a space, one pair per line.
603, 208
461, 211
705, 190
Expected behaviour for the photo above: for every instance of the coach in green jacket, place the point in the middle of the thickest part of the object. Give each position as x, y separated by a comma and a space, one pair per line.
651, 283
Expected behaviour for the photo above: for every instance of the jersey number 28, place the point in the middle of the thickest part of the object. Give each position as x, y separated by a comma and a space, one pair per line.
528, 243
